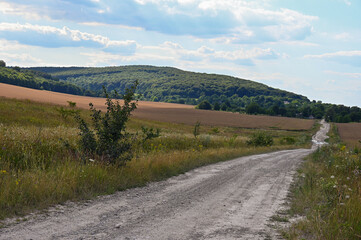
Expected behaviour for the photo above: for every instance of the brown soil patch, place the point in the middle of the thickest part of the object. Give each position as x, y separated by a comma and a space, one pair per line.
350, 133
164, 112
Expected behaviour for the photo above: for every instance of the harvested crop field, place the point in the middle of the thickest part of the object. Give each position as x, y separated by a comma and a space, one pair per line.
350, 133
164, 112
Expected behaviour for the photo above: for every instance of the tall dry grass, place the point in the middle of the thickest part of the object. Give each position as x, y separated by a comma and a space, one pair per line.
40, 164
328, 194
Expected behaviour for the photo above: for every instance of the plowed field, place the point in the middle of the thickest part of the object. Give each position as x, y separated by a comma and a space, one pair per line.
164, 112
350, 133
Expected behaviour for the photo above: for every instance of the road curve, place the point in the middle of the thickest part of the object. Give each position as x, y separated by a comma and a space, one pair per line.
228, 200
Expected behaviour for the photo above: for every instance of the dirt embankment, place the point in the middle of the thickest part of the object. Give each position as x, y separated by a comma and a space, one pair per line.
165, 112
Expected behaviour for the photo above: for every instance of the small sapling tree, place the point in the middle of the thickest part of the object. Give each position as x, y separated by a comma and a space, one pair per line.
110, 140
196, 130
149, 133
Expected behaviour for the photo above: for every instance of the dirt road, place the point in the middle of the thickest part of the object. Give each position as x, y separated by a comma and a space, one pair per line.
229, 200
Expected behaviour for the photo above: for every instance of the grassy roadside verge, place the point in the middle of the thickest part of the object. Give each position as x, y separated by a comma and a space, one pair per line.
40, 165
328, 193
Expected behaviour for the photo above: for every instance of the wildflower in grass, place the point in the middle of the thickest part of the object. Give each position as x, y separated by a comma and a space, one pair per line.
332, 177
3, 171
347, 196
343, 148
17, 182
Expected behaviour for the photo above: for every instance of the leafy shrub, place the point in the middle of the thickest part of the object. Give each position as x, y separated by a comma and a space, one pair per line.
65, 113
110, 140
215, 130
149, 133
260, 139
205, 105
217, 106
288, 140
72, 104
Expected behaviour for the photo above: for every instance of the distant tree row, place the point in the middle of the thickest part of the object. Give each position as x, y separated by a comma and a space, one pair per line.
331, 112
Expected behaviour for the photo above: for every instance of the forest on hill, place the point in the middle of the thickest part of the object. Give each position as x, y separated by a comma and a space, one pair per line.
167, 84
38, 80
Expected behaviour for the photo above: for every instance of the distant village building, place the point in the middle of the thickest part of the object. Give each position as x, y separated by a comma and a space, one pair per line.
286, 102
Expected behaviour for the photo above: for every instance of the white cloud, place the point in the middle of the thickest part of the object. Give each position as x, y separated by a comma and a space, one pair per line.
23, 59
207, 54
10, 45
345, 57
343, 74
347, 2
26, 11
100, 58
48, 36
336, 54
343, 36
245, 21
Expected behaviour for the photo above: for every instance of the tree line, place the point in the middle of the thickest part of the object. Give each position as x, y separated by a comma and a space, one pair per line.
166, 84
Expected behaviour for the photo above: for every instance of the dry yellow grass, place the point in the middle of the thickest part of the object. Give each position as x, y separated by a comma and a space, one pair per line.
350, 133
164, 112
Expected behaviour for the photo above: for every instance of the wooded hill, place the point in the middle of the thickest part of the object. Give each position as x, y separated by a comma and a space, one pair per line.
166, 84
38, 80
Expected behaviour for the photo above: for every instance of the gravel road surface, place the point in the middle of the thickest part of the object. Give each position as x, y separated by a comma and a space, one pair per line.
228, 200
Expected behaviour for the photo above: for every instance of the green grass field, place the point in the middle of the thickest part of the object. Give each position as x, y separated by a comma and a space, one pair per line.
41, 164
328, 193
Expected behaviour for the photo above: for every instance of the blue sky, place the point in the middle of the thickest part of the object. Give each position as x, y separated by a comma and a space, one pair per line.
308, 47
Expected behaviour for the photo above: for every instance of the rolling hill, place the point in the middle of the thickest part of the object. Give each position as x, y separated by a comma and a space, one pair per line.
167, 84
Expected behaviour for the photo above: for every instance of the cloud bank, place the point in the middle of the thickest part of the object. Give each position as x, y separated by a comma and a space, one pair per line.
346, 57
240, 20
52, 37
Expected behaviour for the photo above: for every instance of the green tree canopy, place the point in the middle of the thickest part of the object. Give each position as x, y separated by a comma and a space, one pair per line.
205, 105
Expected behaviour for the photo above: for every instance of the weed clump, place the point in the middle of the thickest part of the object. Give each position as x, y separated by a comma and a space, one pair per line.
260, 138
109, 140
288, 140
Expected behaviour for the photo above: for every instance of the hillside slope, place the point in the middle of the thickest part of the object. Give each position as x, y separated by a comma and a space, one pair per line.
166, 84
38, 80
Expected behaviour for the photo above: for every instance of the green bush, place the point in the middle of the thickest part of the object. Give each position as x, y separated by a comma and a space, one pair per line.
205, 105
288, 140
149, 133
110, 141
260, 139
